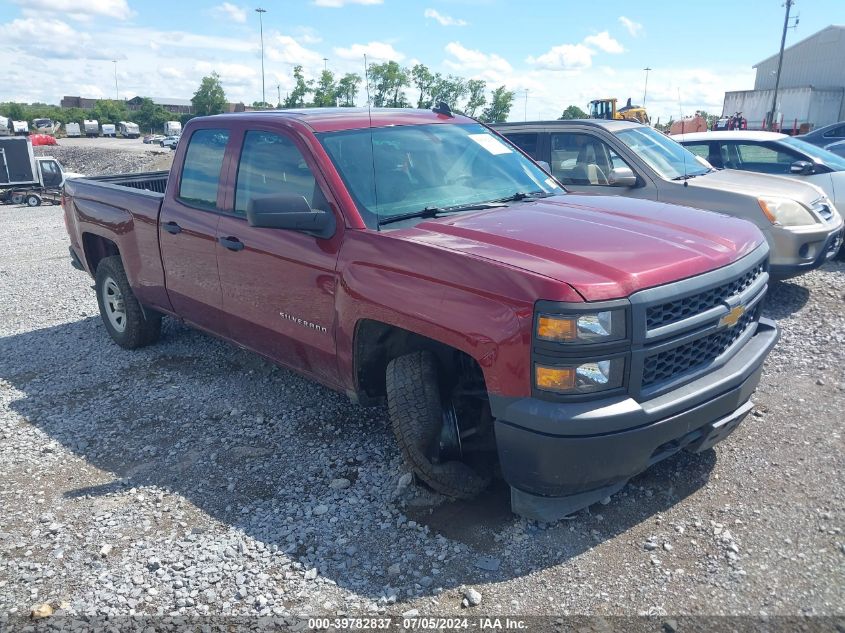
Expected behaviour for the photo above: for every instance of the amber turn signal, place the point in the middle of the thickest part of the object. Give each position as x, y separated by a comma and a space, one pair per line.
556, 328
554, 378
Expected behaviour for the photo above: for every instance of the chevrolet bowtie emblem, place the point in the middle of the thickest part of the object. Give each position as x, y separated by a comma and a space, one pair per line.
732, 317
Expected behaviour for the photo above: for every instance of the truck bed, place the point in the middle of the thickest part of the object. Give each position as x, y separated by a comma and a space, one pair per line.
155, 181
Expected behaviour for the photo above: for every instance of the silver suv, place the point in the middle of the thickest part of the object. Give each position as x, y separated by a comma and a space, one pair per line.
801, 224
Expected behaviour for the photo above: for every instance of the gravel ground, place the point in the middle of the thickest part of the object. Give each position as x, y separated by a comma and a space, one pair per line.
193, 478
90, 156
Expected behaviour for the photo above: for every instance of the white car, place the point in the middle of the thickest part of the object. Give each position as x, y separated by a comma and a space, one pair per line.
170, 141
771, 153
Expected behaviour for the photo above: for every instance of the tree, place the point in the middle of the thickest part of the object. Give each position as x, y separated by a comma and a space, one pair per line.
347, 88
326, 91
150, 116
209, 97
500, 106
423, 80
262, 104
14, 111
388, 81
296, 98
475, 88
573, 112
109, 111
450, 89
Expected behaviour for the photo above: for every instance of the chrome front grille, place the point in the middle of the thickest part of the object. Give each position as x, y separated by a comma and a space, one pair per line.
680, 309
697, 353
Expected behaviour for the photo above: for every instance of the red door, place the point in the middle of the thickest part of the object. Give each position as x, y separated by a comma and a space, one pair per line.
188, 232
278, 285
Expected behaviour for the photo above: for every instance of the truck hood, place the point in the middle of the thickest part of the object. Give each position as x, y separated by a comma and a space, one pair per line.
758, 185
604, 247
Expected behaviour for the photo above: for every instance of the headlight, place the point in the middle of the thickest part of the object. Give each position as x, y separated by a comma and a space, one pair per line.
588, 327
785, 211
589, 377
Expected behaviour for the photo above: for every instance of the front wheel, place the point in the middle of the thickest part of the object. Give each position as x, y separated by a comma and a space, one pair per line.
433, 431
122, 315
33, 200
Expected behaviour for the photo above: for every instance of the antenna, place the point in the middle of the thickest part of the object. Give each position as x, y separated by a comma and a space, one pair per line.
372, 145
684, 154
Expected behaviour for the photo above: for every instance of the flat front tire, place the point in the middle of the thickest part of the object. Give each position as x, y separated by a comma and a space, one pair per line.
122, 315
416, 408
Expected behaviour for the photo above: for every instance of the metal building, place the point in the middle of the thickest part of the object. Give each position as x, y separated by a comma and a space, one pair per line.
812, 85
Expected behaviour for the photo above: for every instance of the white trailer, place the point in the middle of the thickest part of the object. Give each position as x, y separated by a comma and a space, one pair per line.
129, 130
91, 127
73, 129
109, 129
20, 128
172, 128
5, 126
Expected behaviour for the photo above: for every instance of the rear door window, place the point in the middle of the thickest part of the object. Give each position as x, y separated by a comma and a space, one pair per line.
765, 159
201, 169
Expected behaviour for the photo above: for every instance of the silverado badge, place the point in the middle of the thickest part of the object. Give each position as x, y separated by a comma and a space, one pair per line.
732, 317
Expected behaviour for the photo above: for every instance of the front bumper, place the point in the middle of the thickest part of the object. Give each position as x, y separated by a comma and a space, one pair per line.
796, 252
553, 473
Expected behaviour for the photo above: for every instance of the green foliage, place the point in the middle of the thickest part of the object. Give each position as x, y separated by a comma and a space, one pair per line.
477, 99
347, 87
14, 111
326, 91
500, 106
296, 98
573, 112
109, 111
387, 84
423, 80
209, 97
262, 104
149, 116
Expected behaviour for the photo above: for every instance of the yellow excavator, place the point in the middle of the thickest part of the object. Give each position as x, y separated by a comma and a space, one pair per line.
606, 109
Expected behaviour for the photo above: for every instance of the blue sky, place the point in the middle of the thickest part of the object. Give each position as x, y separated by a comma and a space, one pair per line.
562, 52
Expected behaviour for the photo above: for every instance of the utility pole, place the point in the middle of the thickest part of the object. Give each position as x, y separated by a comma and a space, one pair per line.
645, 89
260, 13
116, 93
279, 91
788, 5
525, 113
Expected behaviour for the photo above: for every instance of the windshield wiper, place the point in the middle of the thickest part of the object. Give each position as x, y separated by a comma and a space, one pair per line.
686, 176
434, 212
521, 195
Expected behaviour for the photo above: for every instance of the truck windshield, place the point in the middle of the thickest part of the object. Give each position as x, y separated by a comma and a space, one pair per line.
667, 157
400, 170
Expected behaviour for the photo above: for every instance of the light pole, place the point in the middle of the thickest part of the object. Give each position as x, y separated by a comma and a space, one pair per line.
261, 11
279, 93
116, 93
525, 112
645, 89
788, 5
325, 63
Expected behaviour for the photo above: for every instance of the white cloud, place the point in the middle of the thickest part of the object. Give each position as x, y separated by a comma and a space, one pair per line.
564, 57
80, 9
604, 42
468, 60
284, 48
229, 11
335, 4
634, 28
169, 72
445, 20
380, 51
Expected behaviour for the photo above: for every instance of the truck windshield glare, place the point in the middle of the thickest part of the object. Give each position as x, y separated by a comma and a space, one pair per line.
398, 170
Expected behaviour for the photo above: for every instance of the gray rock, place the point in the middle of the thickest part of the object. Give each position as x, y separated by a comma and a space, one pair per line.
472, 596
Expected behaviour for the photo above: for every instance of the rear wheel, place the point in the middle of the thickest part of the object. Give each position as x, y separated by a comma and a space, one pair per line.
122, 315
33, 200
443, 428
17, 198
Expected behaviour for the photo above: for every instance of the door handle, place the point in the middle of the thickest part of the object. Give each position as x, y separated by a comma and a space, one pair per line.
232, 243
172, 228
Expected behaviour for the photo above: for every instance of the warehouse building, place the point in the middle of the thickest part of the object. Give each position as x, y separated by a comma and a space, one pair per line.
812, 85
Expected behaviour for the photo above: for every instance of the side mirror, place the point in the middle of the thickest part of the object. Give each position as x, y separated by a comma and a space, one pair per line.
802, 167
289, 211
545, 166
622, 177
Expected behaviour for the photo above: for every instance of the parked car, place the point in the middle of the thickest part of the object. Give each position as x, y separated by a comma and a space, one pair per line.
169, 141
153, 138
416, 257
824, 136
800, 222
837, 148
771, 153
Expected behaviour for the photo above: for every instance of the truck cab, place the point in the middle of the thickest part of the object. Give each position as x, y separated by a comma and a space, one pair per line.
416, 258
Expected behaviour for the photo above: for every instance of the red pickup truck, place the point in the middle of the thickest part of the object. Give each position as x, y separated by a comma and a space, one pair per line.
566, 341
